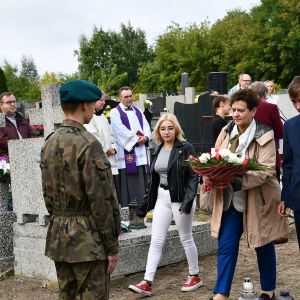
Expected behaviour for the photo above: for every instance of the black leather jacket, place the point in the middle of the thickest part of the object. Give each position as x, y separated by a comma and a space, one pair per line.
182, 181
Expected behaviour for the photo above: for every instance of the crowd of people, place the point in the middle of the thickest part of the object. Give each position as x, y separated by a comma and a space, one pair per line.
90, 168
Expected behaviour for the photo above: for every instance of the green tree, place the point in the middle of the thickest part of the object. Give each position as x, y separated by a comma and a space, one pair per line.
178, 50
3, 85
13, 83
28, 69
108, 53
54, 78
228, 46
264, 43
277, 38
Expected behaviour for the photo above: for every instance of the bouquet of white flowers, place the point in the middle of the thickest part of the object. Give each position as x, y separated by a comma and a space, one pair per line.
147, 104
220, 165
4, 169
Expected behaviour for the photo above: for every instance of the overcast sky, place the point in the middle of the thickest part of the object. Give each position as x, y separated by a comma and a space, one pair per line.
49, 30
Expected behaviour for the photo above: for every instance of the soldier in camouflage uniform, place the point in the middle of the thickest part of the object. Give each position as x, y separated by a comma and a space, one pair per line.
79, 194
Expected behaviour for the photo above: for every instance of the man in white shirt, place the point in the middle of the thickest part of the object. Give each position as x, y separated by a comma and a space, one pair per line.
132, 133
244, 83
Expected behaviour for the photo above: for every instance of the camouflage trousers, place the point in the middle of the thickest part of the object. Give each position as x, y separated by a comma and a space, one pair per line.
83, 281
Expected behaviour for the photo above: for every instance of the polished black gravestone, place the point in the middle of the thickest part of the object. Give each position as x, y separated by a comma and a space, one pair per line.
196, 129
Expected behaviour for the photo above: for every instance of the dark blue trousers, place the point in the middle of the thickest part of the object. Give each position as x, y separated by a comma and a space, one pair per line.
297, 224
228, 249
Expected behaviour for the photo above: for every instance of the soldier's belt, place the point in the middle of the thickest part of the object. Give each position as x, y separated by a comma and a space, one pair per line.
72, 213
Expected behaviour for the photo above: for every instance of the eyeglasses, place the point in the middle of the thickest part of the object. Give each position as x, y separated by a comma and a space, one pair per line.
128, 96
10, 102
246, 80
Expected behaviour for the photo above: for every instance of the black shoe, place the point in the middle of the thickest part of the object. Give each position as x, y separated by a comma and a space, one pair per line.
266, 296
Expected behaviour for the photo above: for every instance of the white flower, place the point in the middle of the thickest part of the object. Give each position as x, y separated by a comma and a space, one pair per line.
213, 152
233, 158
147, 103
225, 153
204, 158
241, 159
4, 166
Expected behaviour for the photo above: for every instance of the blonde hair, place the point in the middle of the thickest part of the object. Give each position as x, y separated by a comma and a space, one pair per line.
267, 81
167, 117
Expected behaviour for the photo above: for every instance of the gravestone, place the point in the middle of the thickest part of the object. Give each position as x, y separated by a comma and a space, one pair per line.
158, 106
184, 81
197, 131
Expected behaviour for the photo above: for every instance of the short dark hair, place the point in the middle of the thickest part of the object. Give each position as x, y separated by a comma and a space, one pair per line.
5, 94
294, 88
70, 107
124, 88
217, 100
247, 96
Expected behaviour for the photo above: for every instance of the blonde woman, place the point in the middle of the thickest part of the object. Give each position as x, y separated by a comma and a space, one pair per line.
271, 98
171, 192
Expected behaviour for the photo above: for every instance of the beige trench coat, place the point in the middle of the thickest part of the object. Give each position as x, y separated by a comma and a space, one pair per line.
262, 224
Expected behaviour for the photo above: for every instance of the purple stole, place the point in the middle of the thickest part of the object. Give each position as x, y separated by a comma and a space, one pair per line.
130, 157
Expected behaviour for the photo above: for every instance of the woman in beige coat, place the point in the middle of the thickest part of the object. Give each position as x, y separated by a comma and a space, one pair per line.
250, 204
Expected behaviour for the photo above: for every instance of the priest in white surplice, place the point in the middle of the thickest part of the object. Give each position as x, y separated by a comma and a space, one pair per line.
132, 133
100, 128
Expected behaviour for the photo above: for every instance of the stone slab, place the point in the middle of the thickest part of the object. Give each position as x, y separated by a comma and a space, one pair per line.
29, 244
6, 240
36, 116
170, 101
26, 181
286, 107
4, 194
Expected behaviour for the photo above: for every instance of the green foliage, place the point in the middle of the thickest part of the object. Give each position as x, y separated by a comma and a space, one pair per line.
264, 43
28, 69
178, 50
3, 85
57, 78
112, 58
20, 85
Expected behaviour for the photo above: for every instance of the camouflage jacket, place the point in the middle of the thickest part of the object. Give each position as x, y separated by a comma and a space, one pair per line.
79, 195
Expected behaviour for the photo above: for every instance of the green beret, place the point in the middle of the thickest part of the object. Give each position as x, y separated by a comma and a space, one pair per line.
79, 91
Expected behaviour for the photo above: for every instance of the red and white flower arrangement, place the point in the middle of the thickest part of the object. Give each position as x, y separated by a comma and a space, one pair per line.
219, 166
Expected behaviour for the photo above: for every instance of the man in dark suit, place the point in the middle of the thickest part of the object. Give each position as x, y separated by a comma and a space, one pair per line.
268, 114
291, 160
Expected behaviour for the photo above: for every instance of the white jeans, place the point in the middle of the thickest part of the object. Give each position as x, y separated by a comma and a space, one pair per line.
162, 216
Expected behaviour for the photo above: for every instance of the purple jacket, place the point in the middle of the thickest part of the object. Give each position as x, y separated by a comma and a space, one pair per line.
9, 132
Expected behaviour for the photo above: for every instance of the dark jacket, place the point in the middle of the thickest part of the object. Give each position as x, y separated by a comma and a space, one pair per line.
291, 164
182, 181
217, 124
9, 132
